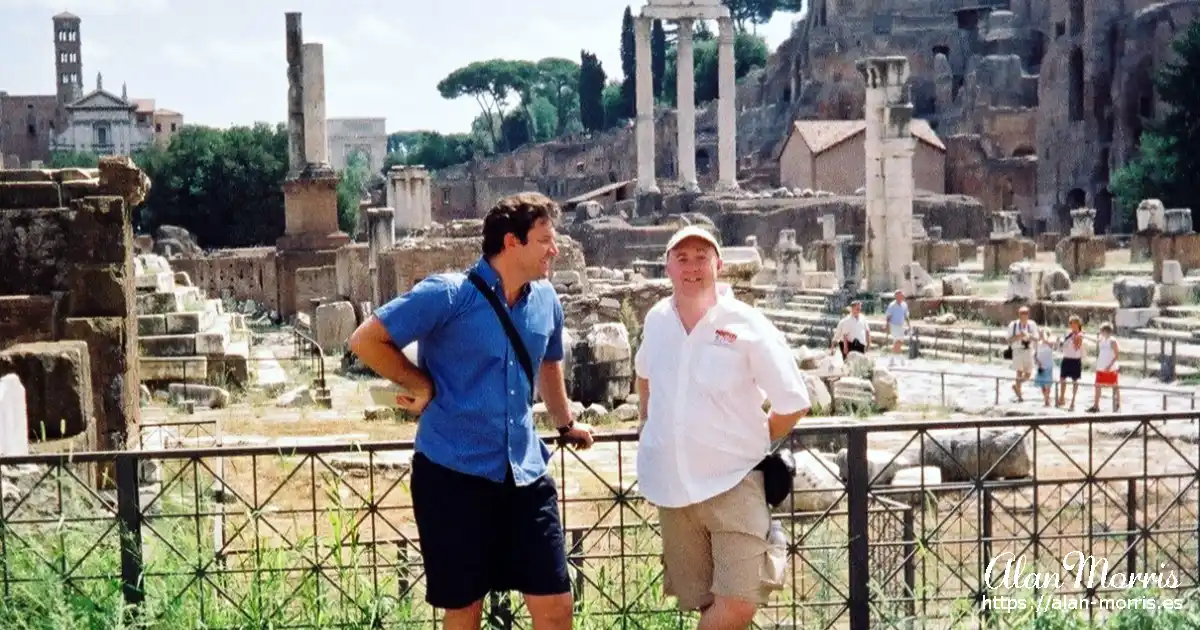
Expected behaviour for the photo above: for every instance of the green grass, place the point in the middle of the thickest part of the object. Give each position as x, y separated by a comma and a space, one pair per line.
65, 575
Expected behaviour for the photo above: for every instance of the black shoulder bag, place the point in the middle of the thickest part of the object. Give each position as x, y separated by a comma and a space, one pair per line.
779, 473
513, 337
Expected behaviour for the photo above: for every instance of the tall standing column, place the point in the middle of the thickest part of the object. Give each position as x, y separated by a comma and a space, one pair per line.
316, 142
381, 235
889, 182
726, 108
686, 113
645, 108
295, 99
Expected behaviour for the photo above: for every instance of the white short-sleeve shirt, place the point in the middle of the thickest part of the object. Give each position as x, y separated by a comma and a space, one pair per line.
705, 428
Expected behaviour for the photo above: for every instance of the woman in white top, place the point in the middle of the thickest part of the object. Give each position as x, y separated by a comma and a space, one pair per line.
1106, 368
1072, 361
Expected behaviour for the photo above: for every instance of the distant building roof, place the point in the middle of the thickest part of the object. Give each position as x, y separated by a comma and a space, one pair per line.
822, 135
66, 15
599, 192
144, 105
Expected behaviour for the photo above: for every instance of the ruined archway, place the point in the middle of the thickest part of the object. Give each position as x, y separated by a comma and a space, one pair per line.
1037, 50
1024, 150
1075, 84
1138, 103
1076, 198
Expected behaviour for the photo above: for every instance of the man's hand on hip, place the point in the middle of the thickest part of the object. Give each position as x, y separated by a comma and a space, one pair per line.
417, 396
579, 436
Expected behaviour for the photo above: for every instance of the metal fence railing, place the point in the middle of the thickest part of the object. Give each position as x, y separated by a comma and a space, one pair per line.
890, 524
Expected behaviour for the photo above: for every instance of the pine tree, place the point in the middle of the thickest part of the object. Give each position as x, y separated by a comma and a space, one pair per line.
591, 91
628, 65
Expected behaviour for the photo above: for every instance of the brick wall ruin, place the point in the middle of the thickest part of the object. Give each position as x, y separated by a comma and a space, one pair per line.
67, 300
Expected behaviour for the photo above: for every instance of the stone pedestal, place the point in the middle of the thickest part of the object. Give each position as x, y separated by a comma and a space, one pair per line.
789, 260
1151, 216
936, 256
1000, 254
1184, 248
828, 227
1177, 221
1083, 223
889, 184
848, 261
1080, 255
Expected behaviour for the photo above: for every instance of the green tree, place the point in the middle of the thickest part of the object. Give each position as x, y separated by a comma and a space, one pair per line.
350, 190
223, 185
628, 66
658, 57
431, 149
1169, 155
558, 84
591, 91
749, 52
755, 12
614, 104
73, 159
490, 83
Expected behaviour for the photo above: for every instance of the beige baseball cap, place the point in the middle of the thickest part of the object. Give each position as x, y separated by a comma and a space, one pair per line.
693, 231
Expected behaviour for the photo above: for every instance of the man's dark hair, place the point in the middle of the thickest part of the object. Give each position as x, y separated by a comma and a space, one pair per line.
515, 214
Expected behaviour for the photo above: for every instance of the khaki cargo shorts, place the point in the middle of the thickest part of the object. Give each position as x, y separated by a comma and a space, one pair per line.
723, 546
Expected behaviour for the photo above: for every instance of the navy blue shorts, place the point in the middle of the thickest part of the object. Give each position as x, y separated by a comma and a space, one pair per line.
478, 536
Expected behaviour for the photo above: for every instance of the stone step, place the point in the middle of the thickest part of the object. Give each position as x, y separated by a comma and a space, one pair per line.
1183, 311
1155, 334
1185, 324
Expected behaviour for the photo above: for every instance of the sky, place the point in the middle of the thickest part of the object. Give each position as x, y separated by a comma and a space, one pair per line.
222, 62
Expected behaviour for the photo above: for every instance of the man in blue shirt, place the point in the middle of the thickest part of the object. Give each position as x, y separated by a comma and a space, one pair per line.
896, 316
486, 511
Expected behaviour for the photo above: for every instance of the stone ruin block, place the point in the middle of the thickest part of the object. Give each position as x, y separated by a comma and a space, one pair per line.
740, 264
789, 260
1151, 216
1023, 282
30, 194
1005, 226
1083, 223
1133, 292
100, 290
603, 365
333, 324
935, 255
1177, 221
14, 417
919, 232
1174, 288
828, 227
934, 232
1000, 255
1080, 255
917, 282
114, 369
33, 251
101, 231
57, 379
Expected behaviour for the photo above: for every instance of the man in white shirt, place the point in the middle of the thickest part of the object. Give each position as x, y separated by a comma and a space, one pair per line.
706, 364
853, 334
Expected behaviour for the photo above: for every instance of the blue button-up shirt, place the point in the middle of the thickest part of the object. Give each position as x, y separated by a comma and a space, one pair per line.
479, 421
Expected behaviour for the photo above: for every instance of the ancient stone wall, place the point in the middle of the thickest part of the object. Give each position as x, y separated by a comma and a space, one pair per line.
242, 274
959, 216
66, 247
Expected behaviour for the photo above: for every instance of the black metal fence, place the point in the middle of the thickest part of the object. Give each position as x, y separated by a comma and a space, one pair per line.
891, 524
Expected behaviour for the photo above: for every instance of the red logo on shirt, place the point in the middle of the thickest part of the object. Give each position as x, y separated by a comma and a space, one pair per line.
724, 336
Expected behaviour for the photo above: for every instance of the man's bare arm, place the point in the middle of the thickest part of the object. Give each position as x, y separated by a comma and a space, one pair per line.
371, 343
780, 424
643, 392
554, 392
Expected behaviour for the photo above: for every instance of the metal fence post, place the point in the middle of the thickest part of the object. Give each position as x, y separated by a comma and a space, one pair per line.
857, 486
129, 513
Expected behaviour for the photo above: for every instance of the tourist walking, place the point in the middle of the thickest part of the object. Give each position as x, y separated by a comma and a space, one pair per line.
1072, 361
704, 364
1022, 343
486, 510
853, 334
1107, 368
1044, 357
896, 317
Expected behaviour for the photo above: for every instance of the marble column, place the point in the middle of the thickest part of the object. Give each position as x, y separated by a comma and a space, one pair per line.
726, 108
686, 112
645, 108
381, 235
316, 141
295, 98
889, 148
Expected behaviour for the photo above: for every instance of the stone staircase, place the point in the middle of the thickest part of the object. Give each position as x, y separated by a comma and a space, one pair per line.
809, 318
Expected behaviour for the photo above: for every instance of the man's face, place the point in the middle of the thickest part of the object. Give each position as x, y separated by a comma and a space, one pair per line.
692, 267
855, 309
1023, 314
899, 297
536, 256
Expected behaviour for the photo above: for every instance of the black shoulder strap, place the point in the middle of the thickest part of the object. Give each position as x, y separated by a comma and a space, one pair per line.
513, 337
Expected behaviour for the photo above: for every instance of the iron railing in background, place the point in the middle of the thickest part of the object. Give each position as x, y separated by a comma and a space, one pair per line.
322, 535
